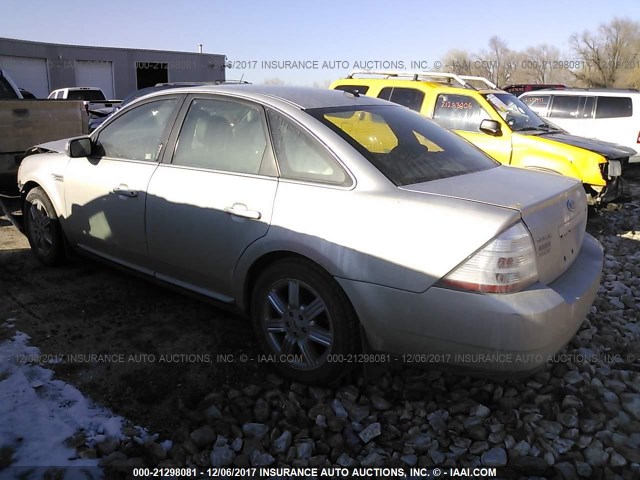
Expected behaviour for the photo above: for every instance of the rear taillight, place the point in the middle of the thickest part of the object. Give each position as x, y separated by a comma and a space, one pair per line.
638, 140
506, 264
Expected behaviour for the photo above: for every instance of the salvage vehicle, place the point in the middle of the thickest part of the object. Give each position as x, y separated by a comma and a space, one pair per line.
500, 124
608, 114
338, 223
94, 99
24, 123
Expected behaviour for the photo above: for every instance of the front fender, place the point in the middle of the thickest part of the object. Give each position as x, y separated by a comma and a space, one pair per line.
537, 153
47, 171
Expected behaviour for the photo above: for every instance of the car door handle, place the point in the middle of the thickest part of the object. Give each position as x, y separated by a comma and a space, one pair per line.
240, 210
125, 191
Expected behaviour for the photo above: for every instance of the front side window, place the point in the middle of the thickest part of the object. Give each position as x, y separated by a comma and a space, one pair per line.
407, 97
459, 112
138, 133
614, 107
408, 148
537, 103
515, 112
565, 106
302, 157
222, 135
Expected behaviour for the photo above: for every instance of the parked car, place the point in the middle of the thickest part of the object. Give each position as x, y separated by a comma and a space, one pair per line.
332, 220
611, 115
94, 99
500, 124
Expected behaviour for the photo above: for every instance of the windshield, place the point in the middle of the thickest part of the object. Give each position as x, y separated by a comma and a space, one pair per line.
516, 113
405, 146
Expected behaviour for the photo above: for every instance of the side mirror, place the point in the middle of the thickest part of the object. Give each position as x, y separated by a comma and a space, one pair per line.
492, 127
78, 147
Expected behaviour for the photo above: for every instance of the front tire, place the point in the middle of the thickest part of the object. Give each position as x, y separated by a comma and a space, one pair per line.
304, 321
42, 228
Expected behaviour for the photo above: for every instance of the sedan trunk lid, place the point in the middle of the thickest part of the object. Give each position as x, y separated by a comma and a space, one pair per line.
553, 207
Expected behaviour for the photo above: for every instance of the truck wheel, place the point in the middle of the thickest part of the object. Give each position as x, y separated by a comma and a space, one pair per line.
304, 322
43, 228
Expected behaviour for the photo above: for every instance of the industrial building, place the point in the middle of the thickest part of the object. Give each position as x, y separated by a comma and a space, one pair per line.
42, 67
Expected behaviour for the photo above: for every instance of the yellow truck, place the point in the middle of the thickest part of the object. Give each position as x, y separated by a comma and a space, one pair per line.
499, 124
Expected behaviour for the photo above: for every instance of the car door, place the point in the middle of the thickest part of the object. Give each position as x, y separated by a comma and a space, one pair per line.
463, 114
105, 194
214, 197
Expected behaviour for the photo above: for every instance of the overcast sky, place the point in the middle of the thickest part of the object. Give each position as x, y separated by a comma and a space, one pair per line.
343, 32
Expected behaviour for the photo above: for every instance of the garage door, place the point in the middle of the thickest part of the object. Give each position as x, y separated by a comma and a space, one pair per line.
28, 73
95, 74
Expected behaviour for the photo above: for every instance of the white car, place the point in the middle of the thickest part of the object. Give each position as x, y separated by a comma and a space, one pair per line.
610, 115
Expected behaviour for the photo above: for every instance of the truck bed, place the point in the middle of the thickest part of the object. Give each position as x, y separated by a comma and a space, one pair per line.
25, 123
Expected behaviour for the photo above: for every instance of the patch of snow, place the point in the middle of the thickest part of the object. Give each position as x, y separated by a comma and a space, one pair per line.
39, 413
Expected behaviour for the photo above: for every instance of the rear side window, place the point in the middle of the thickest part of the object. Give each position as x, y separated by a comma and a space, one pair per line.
88, 95
459, 112
407, 97
614, 107
537, 103
565, 106
585, 108
302, 157
360, 89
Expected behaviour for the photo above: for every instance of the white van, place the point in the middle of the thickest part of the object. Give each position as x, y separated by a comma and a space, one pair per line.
611, 115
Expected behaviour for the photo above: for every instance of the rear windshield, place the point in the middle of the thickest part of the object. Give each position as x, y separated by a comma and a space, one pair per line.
405, 146
85, 95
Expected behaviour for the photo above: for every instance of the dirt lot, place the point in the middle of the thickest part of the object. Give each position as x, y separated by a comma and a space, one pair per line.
87, 308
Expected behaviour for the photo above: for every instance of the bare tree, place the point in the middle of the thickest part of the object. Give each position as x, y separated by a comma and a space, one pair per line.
607, 53
499, 63
538, 63
459, 62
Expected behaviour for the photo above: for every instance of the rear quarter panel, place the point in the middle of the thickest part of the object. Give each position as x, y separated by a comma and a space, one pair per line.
400, 239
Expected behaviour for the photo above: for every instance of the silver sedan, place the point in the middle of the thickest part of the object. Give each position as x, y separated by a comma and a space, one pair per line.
339, 224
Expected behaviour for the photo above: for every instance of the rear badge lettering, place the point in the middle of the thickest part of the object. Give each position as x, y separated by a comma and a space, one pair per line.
544, 248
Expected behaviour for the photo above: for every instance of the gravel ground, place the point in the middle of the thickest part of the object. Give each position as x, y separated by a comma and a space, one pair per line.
578, 418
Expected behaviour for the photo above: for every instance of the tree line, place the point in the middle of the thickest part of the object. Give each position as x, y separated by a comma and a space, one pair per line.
608, 57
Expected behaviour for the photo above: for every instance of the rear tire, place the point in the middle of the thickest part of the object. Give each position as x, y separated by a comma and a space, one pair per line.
304, 322
42, 228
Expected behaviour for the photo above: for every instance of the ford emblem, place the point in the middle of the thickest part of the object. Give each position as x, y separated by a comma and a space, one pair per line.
571, 205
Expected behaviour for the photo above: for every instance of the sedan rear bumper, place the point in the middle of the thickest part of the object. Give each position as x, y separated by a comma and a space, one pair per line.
516, 332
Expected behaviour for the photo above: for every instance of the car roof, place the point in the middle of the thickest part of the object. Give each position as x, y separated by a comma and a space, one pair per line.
626, 92
301, 97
